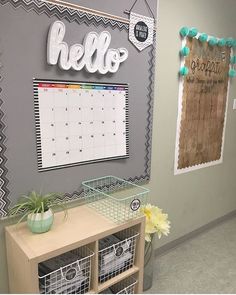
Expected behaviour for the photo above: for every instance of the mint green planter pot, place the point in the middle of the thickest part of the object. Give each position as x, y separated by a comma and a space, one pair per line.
40, 222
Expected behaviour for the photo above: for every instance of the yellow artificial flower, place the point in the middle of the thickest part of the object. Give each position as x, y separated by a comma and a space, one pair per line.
156, 221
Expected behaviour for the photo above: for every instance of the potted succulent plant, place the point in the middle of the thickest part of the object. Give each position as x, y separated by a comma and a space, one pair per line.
38, 209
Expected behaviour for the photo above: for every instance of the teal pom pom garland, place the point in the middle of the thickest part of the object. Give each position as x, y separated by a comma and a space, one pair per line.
203, 37
233, 59
229, 42
212, 41
222, 42
184, 31
234, 43
185, 51
192, 32
183, 71
232, 73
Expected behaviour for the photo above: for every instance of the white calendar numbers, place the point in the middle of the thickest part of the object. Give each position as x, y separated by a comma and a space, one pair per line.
79, 123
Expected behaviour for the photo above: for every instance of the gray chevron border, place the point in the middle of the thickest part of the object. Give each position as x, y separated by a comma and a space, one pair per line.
79, 17
4, 192
67, 13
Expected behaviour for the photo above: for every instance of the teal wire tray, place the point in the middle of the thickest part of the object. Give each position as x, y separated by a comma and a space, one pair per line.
115, 198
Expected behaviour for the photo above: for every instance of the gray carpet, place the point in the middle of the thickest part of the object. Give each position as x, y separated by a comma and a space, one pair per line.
204, 264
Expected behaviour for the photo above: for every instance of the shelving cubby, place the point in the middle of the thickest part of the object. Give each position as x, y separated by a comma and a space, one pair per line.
83, 227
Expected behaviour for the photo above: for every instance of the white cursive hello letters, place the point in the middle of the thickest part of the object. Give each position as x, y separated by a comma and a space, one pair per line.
94, 54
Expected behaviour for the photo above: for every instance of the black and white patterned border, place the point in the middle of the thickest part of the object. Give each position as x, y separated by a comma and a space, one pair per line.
67, 13
73, 15
4, 192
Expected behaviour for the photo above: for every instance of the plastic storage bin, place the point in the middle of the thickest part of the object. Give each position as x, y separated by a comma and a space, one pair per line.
68, 273
116, 253
115, 198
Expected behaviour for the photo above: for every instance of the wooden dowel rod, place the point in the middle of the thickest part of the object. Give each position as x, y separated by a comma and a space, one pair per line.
85, 9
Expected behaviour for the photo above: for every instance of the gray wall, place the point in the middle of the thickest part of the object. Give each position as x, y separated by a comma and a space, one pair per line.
29, 31
195, 198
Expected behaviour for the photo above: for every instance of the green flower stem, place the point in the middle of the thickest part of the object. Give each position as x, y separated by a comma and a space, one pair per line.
148, 251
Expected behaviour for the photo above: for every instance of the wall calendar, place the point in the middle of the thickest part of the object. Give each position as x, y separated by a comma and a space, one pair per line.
78, 123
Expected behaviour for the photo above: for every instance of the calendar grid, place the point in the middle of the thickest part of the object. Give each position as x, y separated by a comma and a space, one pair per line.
80, 122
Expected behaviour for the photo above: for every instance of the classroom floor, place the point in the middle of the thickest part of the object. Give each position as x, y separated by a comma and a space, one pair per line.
204, 264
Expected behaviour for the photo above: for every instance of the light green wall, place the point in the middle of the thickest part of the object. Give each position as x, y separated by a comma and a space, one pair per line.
195, 198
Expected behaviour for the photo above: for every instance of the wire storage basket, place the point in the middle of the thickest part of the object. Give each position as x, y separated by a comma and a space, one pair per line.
116, 253
126, 286
68, 273
115, 198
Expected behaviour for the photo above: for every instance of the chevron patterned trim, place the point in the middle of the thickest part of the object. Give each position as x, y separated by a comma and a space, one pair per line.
150, 111
67, 13
4, 192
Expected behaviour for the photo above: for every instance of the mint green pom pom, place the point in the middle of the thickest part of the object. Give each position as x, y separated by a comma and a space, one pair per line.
229, 42
203, 37
183, 71
192, 32
232, 73
212, 41
222, 42
233, 59
185, 51
234, 43
184, 31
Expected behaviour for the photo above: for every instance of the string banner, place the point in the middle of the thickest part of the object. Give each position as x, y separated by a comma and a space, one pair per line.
203, 105
141, 30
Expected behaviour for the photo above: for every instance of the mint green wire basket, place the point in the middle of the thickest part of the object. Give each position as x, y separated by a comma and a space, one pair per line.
115, 198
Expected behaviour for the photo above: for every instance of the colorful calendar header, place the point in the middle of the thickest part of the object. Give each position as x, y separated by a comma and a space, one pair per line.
81, 86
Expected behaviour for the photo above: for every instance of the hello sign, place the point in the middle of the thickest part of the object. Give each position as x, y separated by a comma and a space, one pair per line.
94, 55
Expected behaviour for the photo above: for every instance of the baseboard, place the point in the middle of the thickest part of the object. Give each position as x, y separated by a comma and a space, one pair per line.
173, 244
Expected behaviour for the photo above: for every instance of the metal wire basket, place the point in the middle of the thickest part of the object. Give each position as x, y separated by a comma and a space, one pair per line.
126, 286
68, 273
116, 254
115, 198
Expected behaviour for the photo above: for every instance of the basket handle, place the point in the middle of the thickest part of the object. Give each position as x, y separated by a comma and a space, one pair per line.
126, 240
79, 267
